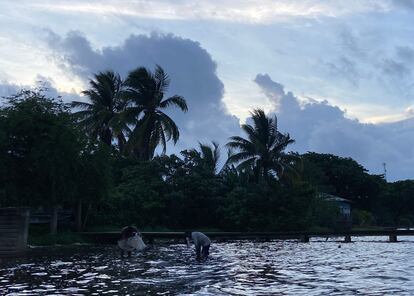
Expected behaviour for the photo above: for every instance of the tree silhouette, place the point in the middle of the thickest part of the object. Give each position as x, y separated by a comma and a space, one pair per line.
263, 150
101, 117
153, 126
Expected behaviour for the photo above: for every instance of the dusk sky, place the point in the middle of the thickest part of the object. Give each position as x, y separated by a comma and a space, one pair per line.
338, 74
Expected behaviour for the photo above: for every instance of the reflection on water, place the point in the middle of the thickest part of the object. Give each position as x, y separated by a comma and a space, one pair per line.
372, 267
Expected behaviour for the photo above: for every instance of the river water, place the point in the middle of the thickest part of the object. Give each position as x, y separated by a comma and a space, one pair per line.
367, 266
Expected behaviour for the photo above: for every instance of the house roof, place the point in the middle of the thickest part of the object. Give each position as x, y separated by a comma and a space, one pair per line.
328, 196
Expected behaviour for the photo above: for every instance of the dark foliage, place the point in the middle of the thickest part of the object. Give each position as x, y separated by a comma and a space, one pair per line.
52, 157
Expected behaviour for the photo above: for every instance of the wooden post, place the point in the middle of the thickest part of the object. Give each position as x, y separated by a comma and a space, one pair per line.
347, 239
393, 238
304, 239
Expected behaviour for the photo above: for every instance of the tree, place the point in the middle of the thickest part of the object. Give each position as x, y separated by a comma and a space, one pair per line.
209, 156
101, 117
394, 204
94, 180
40, 152
263, 150
152, 126
343, 177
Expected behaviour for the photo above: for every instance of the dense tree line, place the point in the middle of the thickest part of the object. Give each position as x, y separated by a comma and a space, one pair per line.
99, 158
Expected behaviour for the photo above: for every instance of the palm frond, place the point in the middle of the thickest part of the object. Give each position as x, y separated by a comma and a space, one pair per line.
238, 157
81, 105
169, 126
178, 101
162, 79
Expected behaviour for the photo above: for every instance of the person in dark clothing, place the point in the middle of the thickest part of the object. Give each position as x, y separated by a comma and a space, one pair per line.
128, 231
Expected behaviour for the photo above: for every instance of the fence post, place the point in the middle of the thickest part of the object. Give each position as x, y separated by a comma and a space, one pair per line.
393, 238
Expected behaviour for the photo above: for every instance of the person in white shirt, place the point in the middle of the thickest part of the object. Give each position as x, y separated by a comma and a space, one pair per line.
201, 242
130, 240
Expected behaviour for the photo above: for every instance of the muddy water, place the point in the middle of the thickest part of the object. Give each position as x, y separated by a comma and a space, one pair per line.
368, 266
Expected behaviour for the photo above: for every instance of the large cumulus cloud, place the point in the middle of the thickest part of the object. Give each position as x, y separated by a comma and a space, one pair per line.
190, 67
321, 127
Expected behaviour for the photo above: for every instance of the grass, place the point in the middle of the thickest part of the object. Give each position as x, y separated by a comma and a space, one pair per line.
365, 228
39, 236
113, 228
103, 228
63, 238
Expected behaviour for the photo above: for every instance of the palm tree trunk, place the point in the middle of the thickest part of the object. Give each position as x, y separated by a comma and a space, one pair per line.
78, 216
86, 215
121, 144
54, 220
106, 137
147, 149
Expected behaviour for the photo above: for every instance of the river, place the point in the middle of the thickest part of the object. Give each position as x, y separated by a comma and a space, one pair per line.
367, 266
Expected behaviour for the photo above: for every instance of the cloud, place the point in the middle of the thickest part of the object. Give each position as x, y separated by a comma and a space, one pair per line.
271, 90
48, 86
322, 127
350, 43
396, 69
8, 89
344, 68
405, 53
45, 84
190, 67
405, 4
362, 59
254, 11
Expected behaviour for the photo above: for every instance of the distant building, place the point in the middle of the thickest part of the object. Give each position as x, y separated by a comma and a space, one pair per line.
344, 219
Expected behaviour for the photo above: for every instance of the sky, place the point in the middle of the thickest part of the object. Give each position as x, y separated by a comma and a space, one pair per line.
338, 74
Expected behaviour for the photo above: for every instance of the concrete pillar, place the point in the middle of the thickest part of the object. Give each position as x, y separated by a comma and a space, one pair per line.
347, 239
304, 239
14, 230
393, 238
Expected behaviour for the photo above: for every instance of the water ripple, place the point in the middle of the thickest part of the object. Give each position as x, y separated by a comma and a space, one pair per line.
368, 266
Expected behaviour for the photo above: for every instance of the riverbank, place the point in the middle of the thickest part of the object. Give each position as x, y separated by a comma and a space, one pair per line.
64, 238
110, 237
39, 234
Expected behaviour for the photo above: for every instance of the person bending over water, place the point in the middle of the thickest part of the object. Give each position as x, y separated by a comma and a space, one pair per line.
130, 240
201, 242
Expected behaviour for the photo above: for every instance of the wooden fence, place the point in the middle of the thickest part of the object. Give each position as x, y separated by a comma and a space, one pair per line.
14, 224
304, 236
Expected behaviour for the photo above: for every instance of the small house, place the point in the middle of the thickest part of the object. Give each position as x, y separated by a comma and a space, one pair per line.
344, 218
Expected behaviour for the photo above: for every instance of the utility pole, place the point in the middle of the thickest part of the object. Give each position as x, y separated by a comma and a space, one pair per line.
385, 170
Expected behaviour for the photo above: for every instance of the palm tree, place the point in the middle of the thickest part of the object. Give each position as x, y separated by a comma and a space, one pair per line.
152, 126
263, 150
209, 156
101, 117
